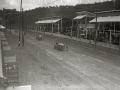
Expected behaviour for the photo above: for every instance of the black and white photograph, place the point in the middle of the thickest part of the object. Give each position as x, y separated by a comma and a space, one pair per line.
59, 44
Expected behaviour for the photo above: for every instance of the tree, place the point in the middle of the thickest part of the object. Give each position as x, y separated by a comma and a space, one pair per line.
116, 4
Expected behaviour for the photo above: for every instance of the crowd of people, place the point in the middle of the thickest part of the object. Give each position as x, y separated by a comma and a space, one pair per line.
102, 36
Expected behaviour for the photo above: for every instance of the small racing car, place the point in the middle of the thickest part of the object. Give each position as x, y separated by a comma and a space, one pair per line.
60, 46
40, 37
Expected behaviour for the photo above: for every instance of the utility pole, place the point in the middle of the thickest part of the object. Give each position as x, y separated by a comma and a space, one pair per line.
119, 41
96, 28
22, 28
20, 25
71, 28
10, 24
19, 29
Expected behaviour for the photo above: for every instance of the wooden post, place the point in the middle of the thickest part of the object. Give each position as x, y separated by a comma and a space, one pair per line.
80, 29
22, 28
99, 26
114, 28
77, 29
58, 28
40, 27
110, 36
61, 23
103, 27
96, 30
86, 25
19, 25
71, 28
10, 24
119, 41
52, 28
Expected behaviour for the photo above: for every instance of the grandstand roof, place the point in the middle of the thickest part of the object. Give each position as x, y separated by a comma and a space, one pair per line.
2, 27
79, 17
107, 19
83, 14
88, 14
109, 11
48, 21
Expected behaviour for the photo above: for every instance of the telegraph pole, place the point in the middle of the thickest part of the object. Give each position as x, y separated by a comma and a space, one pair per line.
96, 28
119, 43
22, 28
19, 30
10, 24
20, 24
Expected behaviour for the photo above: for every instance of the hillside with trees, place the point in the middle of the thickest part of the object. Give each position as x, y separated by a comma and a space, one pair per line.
31, 16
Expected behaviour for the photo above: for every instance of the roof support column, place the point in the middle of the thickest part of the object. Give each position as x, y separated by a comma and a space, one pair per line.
37, 27
86, 25
80, 29
119, 41
40, 28
52, 28
103, 28
44, 28
77, 29
99, 26
58, 28
110, 35
61, 23
114, 28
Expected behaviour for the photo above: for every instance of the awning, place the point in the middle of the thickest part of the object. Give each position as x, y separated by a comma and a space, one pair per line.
107, 19
79, 17
44, 21
36, 22
48, 21
55, 20
2, 27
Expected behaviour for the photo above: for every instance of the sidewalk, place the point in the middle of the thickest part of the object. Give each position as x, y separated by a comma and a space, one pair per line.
18, 52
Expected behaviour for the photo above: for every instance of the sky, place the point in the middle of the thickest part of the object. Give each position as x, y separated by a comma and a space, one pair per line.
31, 4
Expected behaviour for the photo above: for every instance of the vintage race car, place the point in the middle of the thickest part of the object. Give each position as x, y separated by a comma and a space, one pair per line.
60, 46
39, 37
